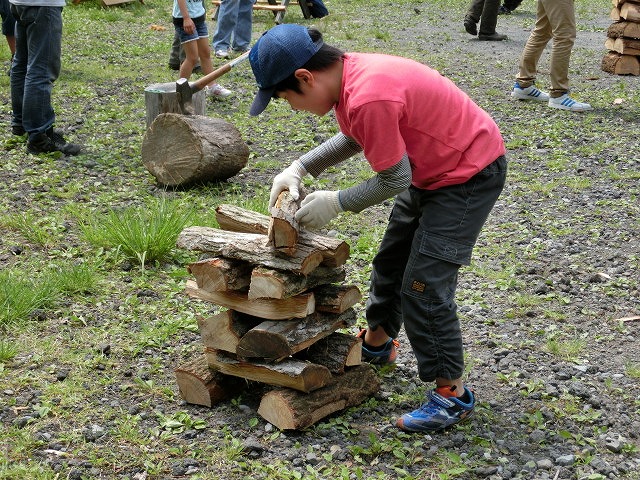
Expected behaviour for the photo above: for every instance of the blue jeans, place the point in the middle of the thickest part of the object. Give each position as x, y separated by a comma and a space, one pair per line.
430, 234
235, 18
36, 65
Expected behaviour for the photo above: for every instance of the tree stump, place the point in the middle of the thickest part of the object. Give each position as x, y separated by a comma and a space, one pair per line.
186, 149
162, 98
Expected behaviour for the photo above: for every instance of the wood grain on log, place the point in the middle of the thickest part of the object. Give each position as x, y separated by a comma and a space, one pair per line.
335, 352
289, 410
630, 12
275, 340
624, 29
272, 309
224, 330
270, 283
335, 252
283, 226
625, 46
249, 247
336, 298
186, 149
221, 274
199, 385
291, 373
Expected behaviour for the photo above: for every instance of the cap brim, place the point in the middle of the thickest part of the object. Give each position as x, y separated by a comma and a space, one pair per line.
263, 97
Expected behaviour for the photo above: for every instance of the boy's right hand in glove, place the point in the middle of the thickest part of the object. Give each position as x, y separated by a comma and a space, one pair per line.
289, 179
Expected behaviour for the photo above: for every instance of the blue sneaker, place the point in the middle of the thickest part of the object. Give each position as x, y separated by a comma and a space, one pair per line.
384, 356
529, 93
439, 412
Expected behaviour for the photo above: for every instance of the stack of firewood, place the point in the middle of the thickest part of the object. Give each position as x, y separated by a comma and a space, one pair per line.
283, 302
623, 39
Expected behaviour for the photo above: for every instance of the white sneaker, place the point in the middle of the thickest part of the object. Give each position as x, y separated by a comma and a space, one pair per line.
565, 102
218, 91
529, 93
222, 53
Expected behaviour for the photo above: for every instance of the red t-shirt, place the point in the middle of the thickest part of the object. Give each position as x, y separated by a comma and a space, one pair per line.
392, 105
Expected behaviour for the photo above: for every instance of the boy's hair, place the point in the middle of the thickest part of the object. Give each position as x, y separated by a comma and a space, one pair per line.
323, 59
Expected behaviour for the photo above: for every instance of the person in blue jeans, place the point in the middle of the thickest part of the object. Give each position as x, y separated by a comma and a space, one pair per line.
36, 65
233, 30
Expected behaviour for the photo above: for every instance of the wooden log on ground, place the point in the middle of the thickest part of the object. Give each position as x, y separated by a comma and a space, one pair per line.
186, 149
162, 98
291, 373
224, 330
625, 46
335, 352
275, 340
221, 274
618, 64
200, 385
624, 29
270, 283
268, 308
289, 410
336, 298
248, 247
237, 219
283, 228
630, 12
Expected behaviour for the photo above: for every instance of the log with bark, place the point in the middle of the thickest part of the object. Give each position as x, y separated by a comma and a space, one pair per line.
249, 247
288, 409
224, 330
162, 98
291, 372
269, 283
336, 298
200, 385
335, 352
618, 64
624, 29
283, 228
186, 149
272, 309
625, 46
276, 340
221, 274
335, 252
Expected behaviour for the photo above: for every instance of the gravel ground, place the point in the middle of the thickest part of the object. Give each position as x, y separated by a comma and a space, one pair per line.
555, 369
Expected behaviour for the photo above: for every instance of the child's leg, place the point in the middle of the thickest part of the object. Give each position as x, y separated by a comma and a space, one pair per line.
191, 57
204, 53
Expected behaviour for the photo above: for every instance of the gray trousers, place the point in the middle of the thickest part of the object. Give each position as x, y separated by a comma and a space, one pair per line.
430, 234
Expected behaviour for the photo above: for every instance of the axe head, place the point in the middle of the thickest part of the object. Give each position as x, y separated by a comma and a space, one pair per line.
184, 94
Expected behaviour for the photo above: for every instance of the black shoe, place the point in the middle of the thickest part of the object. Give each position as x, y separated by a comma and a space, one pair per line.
197, 69
504, 11
174, 66
52, 141
18, 130
494, 37
470, 26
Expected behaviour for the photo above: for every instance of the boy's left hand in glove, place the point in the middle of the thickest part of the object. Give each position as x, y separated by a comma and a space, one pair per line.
318, 208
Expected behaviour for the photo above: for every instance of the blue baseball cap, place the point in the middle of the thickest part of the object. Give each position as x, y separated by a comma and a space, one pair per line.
275, 56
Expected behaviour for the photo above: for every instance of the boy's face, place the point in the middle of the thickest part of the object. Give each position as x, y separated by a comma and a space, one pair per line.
314, 96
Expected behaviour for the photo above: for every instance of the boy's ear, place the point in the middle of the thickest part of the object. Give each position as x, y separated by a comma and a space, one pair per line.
303, 75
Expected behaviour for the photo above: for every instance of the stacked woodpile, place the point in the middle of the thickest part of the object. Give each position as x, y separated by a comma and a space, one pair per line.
623, 39
283, 302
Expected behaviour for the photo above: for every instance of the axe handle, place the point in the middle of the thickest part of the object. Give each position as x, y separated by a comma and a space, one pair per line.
218, 72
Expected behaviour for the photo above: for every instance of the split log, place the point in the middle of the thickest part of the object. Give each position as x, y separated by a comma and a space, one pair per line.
630, 12
615, 14
618, 3
186, 149
270, 283
336, 298
624, 29
272, 309
625, 46
162, 98
249, 247
236, 219
221, 274
335, 352
621, 64
291, 373
283, 228
199, 385
224, 330
289, 410
275, 340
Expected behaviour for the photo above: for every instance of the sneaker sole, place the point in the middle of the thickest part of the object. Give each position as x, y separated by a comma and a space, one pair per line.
528, 98
462, 419
570, 109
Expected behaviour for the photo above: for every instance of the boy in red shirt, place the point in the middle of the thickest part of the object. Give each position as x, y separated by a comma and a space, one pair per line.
431, 147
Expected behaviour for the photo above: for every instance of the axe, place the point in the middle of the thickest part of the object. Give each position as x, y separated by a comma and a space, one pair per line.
185, 90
